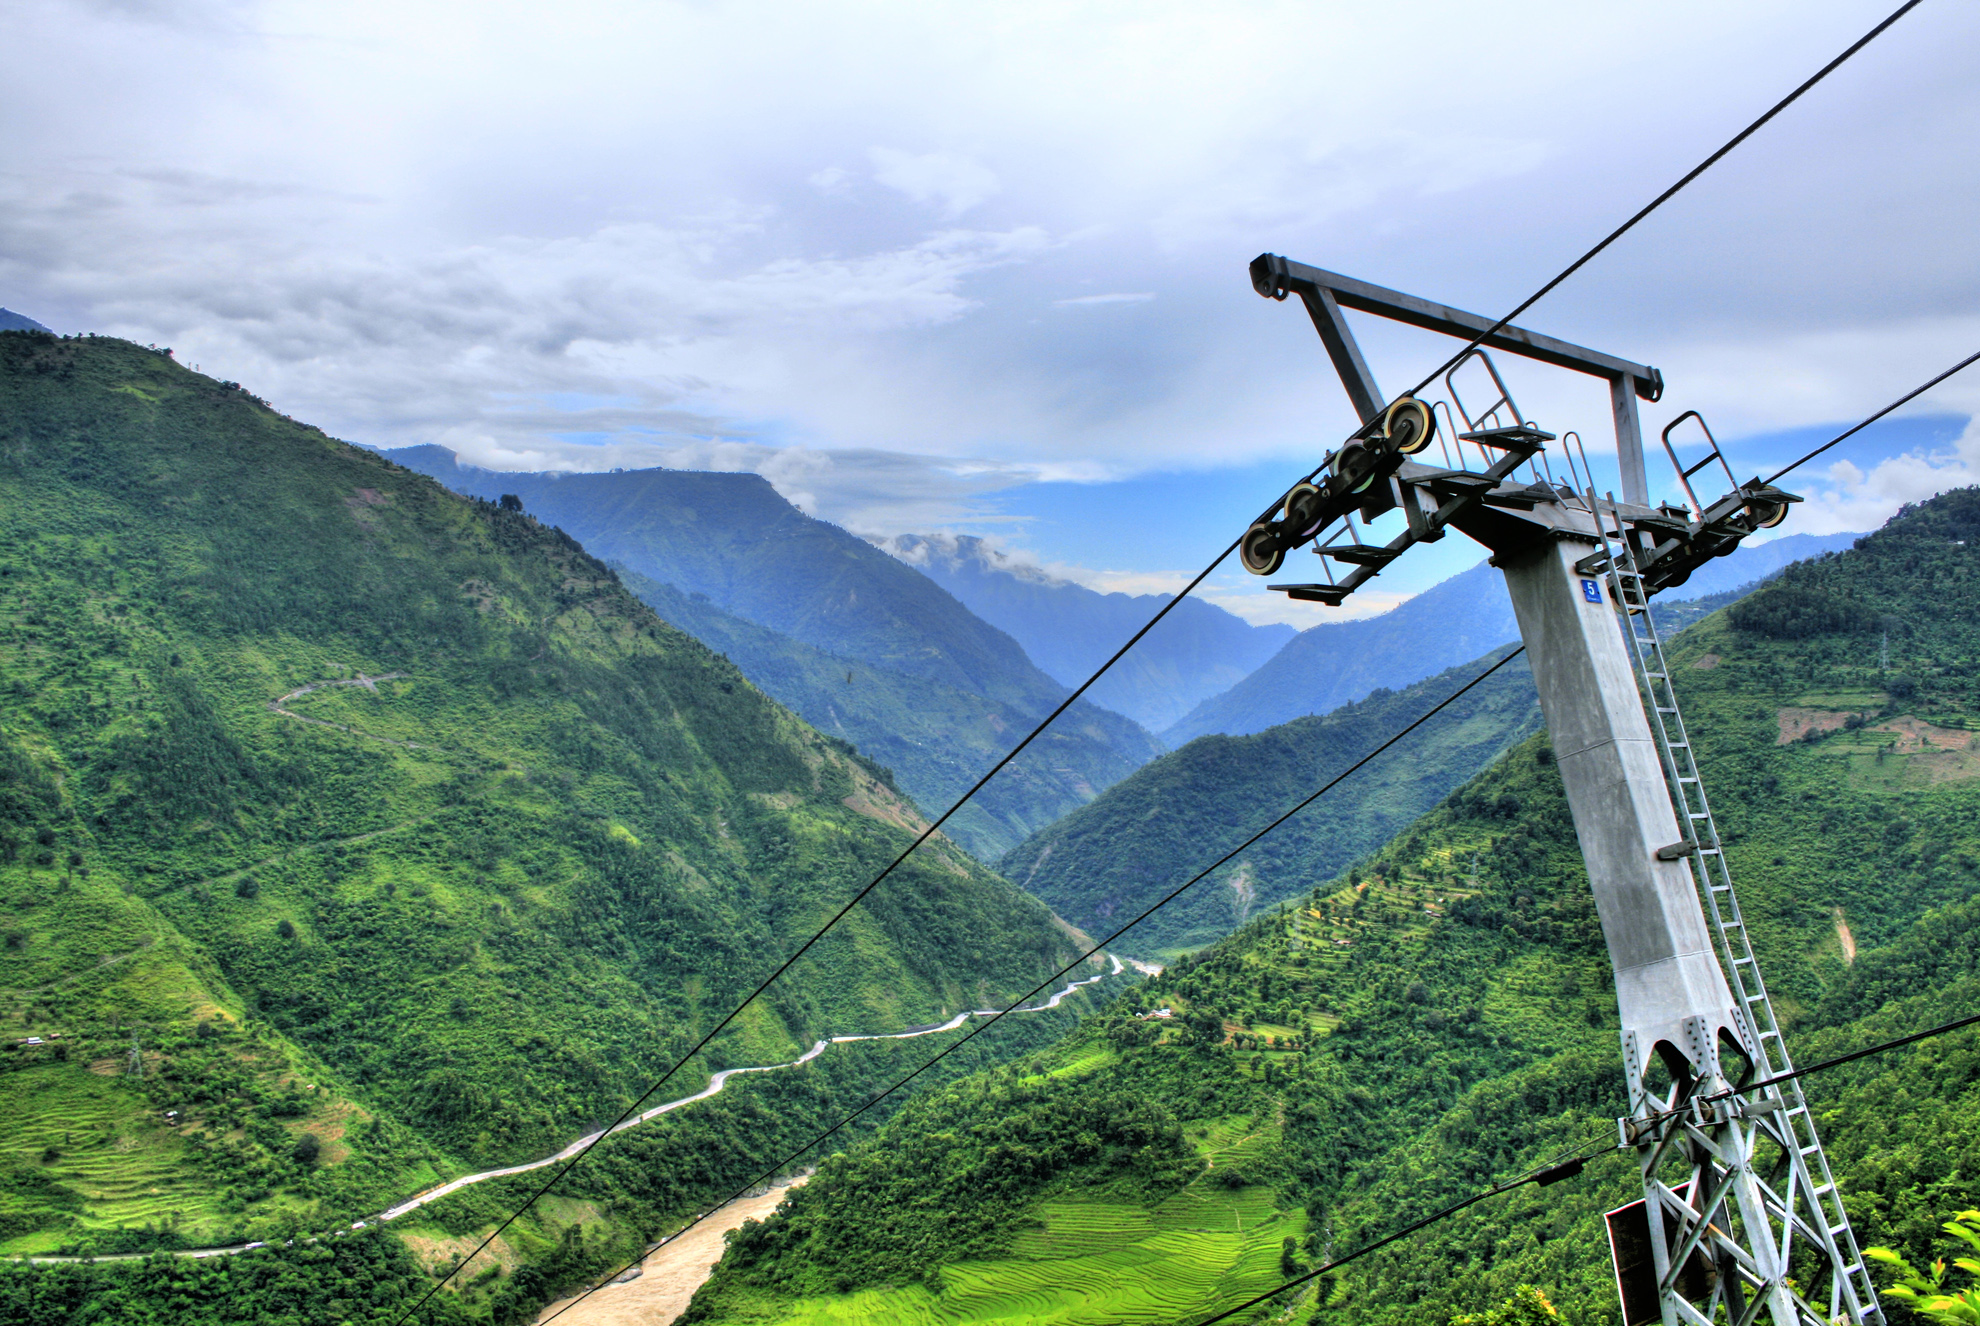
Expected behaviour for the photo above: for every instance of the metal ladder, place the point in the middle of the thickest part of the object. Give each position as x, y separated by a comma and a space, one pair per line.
1852, 1295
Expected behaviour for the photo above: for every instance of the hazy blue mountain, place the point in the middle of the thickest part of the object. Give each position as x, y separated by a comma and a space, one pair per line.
1754, 563
1327, 666
937, 739
1198, 650
12, 321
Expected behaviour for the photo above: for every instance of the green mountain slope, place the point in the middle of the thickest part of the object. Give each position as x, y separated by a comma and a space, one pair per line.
936, 738
734, 539
1105, 862
354, 833
1142, 837
1442, 1018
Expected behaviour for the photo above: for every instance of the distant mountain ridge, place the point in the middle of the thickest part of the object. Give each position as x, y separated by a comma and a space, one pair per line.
732, 539
936, 739
12, 321
1198, 650
1327, 666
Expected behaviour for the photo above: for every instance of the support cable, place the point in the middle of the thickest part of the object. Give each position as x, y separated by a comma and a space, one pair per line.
1551, 1174
782, 1165
1669, 193
1569, 1169
1201, 576
1902, 400
820, 933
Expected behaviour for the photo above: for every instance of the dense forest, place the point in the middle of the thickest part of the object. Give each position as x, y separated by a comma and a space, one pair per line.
1439, 1016
355, 834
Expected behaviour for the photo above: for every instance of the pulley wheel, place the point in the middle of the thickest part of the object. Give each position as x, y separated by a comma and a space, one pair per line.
1766, 515
1261, 550
1354, 468
1409, 425
1302, 508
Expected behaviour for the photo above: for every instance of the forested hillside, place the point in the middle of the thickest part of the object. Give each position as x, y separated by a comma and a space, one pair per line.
1441, 1016
936, 738
1195, 652
1105, 862
355, 833
734, 540
1144, 836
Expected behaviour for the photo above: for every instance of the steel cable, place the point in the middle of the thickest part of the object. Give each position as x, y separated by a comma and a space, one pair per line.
783, 1165
998, 767
1669, 193
1546, 1175
1902, 400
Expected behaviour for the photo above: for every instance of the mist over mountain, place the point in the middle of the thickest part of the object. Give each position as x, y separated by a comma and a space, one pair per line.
1197, 651
1327, 666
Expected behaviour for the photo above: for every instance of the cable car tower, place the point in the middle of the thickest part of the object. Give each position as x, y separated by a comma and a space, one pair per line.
1740, 1214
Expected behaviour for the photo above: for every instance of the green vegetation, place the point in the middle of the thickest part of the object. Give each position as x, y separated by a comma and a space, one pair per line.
1927, 1290
937, 739
355, 834
1440, 1016
328, 1284
847, 607
1191, 806
1188, 808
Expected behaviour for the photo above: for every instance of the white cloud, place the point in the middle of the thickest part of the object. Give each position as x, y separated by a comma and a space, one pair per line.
1119, 298
1848, 498
946, 178
553, 237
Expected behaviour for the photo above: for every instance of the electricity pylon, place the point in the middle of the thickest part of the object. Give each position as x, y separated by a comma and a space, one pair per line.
1740, 1215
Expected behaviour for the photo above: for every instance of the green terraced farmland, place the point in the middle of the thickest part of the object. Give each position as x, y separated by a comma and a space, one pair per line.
1090, 1263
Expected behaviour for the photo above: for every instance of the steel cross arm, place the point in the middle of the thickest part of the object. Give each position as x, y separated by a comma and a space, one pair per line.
1275, 277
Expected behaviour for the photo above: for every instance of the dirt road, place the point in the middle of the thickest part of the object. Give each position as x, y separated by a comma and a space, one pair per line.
671, 1273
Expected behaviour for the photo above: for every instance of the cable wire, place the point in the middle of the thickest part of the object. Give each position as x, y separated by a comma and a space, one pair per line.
782, 1165
1904, 399
820, 933
1545, 1176
1537, 295
1669, 193
1557, 1172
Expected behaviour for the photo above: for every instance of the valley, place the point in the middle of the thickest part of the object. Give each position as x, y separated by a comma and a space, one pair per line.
1438, 1016
368, 847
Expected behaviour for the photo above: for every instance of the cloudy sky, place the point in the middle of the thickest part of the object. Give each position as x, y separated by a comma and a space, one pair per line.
982, 267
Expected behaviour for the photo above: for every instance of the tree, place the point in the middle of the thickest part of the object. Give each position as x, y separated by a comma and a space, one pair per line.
510, 502
1927, 1293
307, 1148
1527, 1307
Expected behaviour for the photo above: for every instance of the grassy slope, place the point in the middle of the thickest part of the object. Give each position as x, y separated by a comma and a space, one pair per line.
440, 921
1442, 1017
936, 738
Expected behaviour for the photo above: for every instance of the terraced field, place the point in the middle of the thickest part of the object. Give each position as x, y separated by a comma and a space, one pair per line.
1093, 1263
